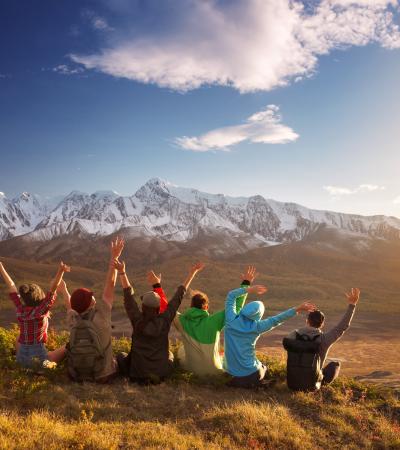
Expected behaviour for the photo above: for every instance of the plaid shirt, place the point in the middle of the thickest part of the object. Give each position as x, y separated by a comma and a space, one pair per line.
33, 320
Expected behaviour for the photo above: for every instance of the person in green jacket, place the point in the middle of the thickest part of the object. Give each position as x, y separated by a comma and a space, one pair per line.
200, 332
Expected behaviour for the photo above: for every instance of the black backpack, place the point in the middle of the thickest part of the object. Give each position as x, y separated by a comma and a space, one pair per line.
303, 363
85, 355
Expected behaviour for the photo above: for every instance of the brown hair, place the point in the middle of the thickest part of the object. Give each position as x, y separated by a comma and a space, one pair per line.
31, 294
316, 319
199, 300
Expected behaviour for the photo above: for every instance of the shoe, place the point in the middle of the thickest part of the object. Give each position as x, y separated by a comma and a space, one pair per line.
46, 364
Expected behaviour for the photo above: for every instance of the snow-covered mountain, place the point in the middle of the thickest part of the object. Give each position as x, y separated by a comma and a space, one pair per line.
172, 213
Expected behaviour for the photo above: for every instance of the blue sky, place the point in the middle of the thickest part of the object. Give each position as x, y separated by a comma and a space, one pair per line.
98, 95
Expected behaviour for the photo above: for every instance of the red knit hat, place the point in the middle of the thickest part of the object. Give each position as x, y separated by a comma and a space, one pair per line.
81, 299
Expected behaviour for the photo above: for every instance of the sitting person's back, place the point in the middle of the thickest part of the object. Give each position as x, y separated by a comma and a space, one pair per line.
90, 356
33, 313
306, 373
200, 332
149, 359
242, 331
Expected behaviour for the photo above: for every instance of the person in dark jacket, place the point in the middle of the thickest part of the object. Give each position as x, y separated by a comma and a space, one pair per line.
150, 360
313, 331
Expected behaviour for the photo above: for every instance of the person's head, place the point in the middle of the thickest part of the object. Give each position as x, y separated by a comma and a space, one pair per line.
316, 319
82, 300
150, 309
253, 310
31, 294
200, 301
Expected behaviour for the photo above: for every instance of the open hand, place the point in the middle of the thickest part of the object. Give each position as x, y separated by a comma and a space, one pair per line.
64, 267
152, 278
258, 289
306, 307
250, 274
117, 245
353, 296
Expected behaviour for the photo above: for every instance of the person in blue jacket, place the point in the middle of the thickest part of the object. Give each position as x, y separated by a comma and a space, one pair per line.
242, 330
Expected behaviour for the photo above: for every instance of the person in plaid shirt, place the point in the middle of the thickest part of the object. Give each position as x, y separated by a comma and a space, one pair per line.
33, 312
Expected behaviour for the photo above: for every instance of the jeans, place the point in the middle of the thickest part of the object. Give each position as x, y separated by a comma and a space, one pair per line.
249, 381
30, 354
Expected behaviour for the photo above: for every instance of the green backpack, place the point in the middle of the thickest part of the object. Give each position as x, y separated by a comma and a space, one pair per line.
85, 355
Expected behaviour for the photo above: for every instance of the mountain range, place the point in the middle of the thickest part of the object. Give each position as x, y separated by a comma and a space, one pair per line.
174, 214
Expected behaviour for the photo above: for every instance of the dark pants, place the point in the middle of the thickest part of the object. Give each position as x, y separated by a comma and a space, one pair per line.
331, 372
124, 362
255, 379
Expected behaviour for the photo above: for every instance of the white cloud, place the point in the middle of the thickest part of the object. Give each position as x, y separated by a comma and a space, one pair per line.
262, 127
338, 191
396, 201
63, 69
250, 45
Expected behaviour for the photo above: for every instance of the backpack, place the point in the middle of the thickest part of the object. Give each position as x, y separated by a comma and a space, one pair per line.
85, 355
303, 363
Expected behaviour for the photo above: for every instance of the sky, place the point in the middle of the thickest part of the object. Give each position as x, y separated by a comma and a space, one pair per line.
295, 101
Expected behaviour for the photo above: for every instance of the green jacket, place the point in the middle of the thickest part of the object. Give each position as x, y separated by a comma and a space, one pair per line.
200, 333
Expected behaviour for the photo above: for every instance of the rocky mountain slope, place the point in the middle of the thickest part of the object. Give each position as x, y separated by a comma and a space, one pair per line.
163, 211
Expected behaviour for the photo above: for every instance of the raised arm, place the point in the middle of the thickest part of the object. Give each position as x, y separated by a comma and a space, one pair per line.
176, 300
119, 266
195, 269
116, 248
247, 278
337, 331
12, 289
274, 321
63, 290
131, 307
59, 276
231, 299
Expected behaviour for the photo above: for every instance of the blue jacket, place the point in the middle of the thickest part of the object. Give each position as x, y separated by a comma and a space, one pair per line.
242, 331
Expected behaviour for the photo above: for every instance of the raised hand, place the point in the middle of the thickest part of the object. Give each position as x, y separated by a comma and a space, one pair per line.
64, 268
117, 245
306, 307
152, 278
250, 274
119, 266
199, 266
257, 289
353, 296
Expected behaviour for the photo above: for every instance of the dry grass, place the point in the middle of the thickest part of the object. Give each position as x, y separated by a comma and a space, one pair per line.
48, 411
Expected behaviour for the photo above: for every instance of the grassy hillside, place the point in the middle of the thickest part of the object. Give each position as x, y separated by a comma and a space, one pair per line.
48, 411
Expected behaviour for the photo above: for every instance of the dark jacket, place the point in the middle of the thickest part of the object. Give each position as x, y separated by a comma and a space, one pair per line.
327, 339
149, 355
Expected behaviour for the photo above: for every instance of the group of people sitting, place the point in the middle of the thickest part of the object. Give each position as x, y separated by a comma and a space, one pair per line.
89, 354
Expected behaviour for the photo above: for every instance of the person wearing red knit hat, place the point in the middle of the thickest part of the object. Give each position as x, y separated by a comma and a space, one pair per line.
89, 351
82, 299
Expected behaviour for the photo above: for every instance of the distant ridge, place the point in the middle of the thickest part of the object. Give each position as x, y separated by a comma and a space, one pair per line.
162, 210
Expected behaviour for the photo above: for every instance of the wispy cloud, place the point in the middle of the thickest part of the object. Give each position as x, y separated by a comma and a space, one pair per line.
64, 69
249, 45
97, 22
262, 127
338, 191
